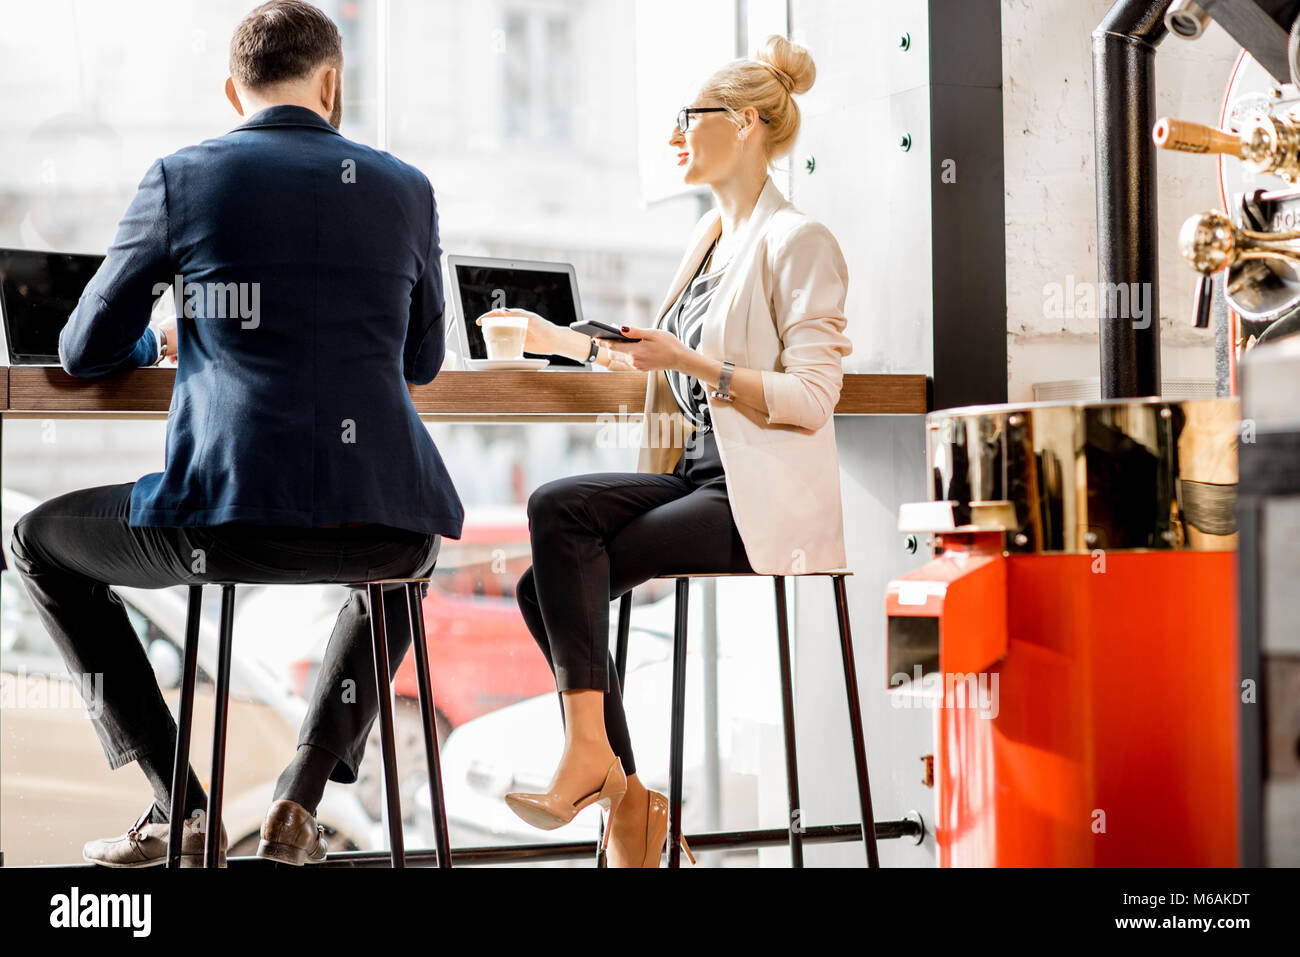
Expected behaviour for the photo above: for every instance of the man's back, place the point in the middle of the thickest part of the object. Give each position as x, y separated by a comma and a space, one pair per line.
312, 292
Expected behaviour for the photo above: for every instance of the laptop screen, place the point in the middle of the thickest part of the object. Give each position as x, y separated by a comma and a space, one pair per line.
38, 291
483, 288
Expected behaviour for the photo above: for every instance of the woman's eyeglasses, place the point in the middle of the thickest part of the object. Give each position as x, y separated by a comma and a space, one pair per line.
684, 117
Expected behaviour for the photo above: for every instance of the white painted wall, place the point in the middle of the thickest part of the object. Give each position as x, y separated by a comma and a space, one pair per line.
875, 198
1051, 193
867, 91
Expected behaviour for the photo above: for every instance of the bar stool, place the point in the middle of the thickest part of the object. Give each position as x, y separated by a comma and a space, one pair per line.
794, 823
379, 638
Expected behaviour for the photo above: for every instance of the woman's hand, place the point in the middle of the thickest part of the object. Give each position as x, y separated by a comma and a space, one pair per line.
542, 337
612, 362
654, 349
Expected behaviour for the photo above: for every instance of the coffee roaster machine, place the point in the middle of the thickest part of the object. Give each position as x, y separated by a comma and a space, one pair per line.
1075, 631
1109, 629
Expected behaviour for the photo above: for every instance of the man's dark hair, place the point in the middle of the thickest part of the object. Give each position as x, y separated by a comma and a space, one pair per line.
282, 40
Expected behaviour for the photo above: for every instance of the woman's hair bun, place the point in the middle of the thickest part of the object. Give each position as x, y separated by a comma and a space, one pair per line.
791, 63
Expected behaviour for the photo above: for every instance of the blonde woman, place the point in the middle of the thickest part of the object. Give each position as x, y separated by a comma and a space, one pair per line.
738, 468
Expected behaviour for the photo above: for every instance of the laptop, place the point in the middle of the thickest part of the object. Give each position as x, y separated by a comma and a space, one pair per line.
479, 284
38, 292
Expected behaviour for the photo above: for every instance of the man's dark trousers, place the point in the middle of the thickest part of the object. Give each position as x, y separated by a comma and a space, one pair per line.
73, 547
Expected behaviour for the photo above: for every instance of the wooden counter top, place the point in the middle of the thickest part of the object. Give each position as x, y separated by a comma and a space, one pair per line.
460, 395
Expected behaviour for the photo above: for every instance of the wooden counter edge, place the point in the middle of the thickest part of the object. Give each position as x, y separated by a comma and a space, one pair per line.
41, 389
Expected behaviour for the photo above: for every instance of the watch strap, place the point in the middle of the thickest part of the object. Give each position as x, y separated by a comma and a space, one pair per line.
723, 391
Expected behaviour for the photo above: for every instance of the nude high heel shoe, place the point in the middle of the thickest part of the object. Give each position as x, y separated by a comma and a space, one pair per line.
549, 811
656, 832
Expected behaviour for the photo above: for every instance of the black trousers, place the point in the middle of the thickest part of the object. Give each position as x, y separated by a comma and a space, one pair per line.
72, 548
597, 536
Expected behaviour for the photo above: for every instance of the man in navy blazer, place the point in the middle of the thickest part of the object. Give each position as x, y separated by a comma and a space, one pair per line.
306, 276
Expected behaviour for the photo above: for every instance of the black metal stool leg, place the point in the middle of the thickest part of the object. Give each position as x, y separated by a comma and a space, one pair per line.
212, 825
678, 726
620, 669
620, 645
442, 842
855, 723
795, 820
184, 722
384, 690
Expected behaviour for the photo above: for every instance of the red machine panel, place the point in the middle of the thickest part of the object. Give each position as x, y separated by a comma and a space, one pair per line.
1089, 705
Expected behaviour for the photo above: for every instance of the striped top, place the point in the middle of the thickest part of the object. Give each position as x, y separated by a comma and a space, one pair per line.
685, 320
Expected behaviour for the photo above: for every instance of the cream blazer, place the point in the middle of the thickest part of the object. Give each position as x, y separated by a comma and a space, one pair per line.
779, 309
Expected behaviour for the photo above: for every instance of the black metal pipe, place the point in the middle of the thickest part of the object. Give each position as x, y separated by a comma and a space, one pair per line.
221, 715
620, 646
578, 850
184, 724
432, 757
1128, 304
870, 826
388, 749
794, 820
676, 744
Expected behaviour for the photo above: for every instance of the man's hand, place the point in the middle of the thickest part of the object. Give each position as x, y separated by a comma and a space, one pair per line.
655, 349
168, 327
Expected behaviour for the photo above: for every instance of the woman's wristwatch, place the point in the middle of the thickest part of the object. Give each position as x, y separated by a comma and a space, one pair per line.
162, 346
595, 350
723, 391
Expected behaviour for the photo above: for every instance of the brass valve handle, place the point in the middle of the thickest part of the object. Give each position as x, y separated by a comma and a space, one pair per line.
1186, 137
1266, 143
1211, 242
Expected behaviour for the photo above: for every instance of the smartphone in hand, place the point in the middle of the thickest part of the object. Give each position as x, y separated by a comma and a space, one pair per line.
601, 330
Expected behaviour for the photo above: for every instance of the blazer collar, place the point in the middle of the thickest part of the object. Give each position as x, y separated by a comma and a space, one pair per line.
709, 229
287, 115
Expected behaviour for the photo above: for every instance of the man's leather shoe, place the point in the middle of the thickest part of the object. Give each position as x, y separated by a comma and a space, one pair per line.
290, 835
145, 845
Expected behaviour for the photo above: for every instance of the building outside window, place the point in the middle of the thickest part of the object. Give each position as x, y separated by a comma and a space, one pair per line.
524, 117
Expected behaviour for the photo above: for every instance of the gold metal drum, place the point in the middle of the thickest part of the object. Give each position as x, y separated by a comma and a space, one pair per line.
1121, 474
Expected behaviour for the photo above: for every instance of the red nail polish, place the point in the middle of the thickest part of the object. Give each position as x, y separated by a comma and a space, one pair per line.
622, 328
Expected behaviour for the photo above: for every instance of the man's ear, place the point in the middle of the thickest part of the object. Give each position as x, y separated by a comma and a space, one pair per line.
329, 88
233, 95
